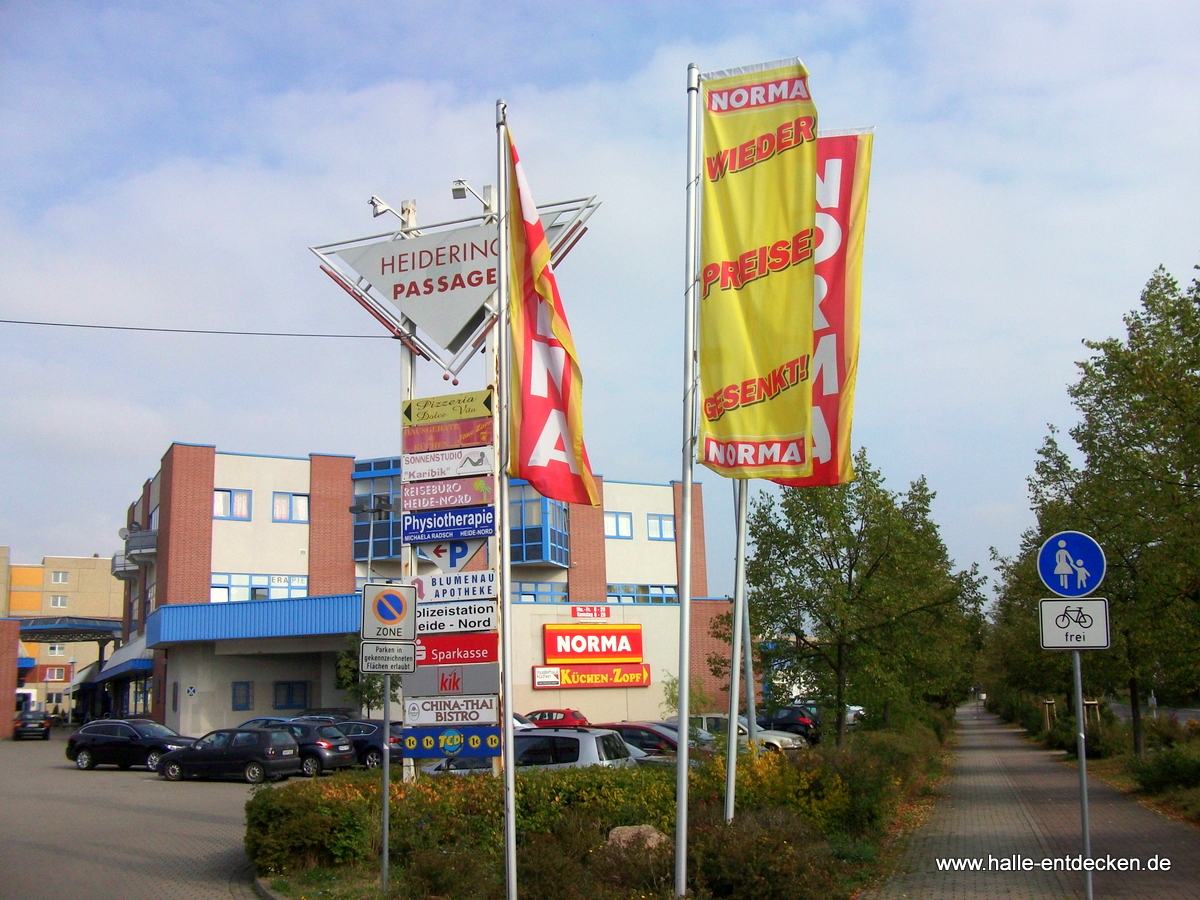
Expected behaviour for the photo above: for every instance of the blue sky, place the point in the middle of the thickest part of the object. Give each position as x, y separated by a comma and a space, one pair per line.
168, 164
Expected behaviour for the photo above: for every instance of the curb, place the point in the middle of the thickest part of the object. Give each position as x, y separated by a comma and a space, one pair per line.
265, 891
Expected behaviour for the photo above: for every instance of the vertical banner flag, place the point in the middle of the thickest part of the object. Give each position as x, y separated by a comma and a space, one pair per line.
843, 171
546, 430
756, 271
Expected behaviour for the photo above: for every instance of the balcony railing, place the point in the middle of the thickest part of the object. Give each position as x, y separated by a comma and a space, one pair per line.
124, 568
141, 546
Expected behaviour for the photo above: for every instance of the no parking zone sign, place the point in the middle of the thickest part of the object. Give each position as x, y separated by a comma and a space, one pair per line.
389, 612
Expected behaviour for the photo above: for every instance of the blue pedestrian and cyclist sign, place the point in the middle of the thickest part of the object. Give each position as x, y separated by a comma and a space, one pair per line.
1071, 564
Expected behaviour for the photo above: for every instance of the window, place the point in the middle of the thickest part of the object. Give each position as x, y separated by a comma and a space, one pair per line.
540, 528
540, 592
245, 738
229, 504
57, 650
153, 519
56, 673
291, 694
58, 601
618, 525
59, 578
243, 695
642, 593
660, 527
289, 507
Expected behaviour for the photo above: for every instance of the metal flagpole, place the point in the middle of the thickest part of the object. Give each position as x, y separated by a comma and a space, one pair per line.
503, 391
741, 490
748, 656
1081, 751
689, 438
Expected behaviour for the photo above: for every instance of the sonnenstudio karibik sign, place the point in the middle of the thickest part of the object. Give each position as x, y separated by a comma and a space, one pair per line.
449, 524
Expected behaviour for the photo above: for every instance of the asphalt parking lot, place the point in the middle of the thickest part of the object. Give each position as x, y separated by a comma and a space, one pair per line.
113, 835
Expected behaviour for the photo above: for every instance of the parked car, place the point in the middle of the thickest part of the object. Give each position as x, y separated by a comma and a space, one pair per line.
333, 714
651, 738
255, 754
718, 724
31, 724
367, 737
460, 765
322, 746
264, 721
557, 718
802, 718
123, 743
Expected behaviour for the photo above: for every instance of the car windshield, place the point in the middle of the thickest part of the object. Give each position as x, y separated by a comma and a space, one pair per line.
153, 729
32, 715
330, 733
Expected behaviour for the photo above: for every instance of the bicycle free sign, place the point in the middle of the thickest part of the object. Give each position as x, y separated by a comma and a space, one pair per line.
1074, 624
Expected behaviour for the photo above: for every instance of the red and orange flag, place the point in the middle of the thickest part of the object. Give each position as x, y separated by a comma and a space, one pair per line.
546, 424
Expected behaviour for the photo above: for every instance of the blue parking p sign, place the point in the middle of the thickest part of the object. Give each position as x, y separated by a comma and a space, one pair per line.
1071, 564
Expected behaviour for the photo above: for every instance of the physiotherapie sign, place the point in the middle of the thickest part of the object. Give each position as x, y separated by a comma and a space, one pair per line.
448, 524
592, 643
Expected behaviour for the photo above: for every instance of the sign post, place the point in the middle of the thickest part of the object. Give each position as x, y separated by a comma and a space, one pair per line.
387, 633
1071, 564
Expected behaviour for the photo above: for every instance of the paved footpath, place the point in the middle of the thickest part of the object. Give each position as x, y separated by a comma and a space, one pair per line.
1006, 796
112, 835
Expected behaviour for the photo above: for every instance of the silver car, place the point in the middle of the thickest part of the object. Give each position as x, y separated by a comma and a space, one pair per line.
718, 724
551, 748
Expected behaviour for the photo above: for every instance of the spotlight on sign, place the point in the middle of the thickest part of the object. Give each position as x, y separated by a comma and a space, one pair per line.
378, 207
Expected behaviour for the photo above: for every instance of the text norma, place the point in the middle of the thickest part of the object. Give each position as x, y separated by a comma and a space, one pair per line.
591, 676
473, 710
387, 657
569, 643
461, 462
456, 617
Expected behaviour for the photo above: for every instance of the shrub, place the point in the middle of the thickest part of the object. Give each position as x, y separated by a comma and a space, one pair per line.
1177, 766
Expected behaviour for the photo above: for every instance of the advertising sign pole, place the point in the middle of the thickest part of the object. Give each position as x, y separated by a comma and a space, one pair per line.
1081, 752
501, 437
689, 455
741, 490
387, 775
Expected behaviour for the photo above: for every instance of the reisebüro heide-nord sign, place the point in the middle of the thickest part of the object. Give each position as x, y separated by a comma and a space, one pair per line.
448, 524
387, 657
462, 462
448, 407
438, 280
457, 617
465, 710
1074, 624
448, 492
431, 681
456, 586
389, 612
463, 740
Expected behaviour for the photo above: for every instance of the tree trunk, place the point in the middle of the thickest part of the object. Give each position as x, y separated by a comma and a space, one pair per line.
887, 713
842, 666
1135, 711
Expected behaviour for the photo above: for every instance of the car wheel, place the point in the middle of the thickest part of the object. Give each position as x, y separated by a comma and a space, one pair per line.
255, 773
152, 759
372, 759
85, 760
311, 766
173, 771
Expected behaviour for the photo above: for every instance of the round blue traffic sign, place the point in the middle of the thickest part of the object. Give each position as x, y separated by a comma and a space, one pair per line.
1071, 564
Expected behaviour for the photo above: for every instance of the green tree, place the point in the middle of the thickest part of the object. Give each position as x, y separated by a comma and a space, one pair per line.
851, 590
365, 690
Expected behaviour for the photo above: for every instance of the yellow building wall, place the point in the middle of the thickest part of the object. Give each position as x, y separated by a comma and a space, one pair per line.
25, 576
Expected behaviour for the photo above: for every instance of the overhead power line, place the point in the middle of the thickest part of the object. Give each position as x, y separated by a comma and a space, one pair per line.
290, 334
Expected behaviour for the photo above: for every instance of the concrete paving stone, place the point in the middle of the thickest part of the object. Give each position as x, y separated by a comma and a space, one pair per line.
1006, 797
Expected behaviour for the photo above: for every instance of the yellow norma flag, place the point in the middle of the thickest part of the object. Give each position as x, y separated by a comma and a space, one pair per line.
756, 271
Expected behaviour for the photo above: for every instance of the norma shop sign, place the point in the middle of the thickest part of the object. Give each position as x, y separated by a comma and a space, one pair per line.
458, 463
591, 676
448, 524
466, 615
592, 643
448, 492
465, 740
474, 710
455, 649
447, 435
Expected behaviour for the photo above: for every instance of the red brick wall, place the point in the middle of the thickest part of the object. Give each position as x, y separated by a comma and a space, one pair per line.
158, 698
699, 557
330, 525
10, 635
185, 524
587, 579
702, 612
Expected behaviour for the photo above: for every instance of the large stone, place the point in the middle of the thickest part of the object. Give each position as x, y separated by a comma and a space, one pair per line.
625, 837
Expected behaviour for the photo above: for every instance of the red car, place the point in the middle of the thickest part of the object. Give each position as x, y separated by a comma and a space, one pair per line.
557, 718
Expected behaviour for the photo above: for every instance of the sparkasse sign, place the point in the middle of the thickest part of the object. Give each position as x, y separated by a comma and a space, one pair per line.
464, 710
592, 643
453, 649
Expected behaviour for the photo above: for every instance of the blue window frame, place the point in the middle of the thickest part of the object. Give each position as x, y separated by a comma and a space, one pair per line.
377, 478
289, 507
643, 593
243, 695
291, 695
232, 504
540, 592
660, 527
618, 525
540, 528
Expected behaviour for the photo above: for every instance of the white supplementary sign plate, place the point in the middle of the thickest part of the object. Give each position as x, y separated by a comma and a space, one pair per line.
387, 658
1068, 624
465, 710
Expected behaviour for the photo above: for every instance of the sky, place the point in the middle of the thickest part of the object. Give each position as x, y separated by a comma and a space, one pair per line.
168, 165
